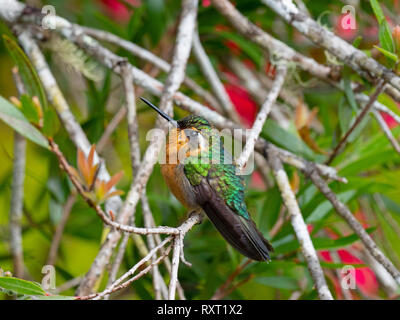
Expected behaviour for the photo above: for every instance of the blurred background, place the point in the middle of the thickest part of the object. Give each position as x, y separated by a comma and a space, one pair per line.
311, 121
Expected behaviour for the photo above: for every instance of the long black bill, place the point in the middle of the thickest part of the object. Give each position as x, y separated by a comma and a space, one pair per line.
160, 112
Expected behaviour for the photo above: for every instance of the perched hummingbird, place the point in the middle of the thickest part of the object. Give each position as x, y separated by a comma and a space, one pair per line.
212, 186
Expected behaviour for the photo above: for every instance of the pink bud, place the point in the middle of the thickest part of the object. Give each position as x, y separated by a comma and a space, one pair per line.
396, 38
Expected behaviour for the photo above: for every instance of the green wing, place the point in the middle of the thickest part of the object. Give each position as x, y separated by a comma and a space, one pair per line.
222, 179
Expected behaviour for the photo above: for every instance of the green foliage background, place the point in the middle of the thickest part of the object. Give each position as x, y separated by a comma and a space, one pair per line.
369, 162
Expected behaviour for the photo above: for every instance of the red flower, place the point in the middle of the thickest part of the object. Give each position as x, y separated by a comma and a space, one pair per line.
389, 120
117, 10
346, 26
245, 106
365, 278
233, 47
206, 3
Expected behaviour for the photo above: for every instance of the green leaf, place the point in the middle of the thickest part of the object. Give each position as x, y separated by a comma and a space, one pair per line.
320, 243
251, 50
325, 207
349, 93
385, 37
345, 114
274, 133
20, 286
30, 78
278, 282
16, 120
28, 109
55, 297
377, 11
51, 124
388, 54
357, 41
270, 210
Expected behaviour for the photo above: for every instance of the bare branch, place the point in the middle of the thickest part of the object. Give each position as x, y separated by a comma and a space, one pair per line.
356, 59
17, 192
116, 285
386, 130
262, 117
357, 121
212, 77
299, 226
55, 243
103, 216
274, 47
173, 81
346, 214
57, 99
149, 57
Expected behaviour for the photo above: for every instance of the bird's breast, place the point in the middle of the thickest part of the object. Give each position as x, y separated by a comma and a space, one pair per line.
179, 185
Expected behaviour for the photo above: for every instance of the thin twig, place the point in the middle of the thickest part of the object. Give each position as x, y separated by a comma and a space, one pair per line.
346, 214
353, 57
262, 117
265, 41
150, 57
117, 284
17, 192
121, 227
175, 265
357, 121
213, 79
386, 130
55, 243
224, 289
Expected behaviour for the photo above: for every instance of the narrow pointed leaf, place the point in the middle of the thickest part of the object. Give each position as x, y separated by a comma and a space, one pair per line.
29, 76
16, 120
20, 286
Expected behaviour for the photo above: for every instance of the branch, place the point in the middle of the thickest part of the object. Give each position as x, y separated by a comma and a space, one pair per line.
149, 57
173, 81
55, 243
385, 128
103, 216
264, 40
116, 285
262, 117
212, 77
57, 99
357, 121
356, 59
17, 192
299, 226
114, 62
346, 214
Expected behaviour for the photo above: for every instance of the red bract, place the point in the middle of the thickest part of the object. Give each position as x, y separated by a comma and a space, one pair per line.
257, 181
233, 47
117, 10
206, 3
245, 106
344, 27
389, 120
365, 278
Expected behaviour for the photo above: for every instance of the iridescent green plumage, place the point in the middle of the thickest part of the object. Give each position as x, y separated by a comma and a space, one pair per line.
206, 178
222, 174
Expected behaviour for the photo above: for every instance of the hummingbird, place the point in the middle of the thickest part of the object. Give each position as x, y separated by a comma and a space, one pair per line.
202, 176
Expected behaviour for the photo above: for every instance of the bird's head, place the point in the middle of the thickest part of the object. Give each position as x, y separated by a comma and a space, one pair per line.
189, 136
